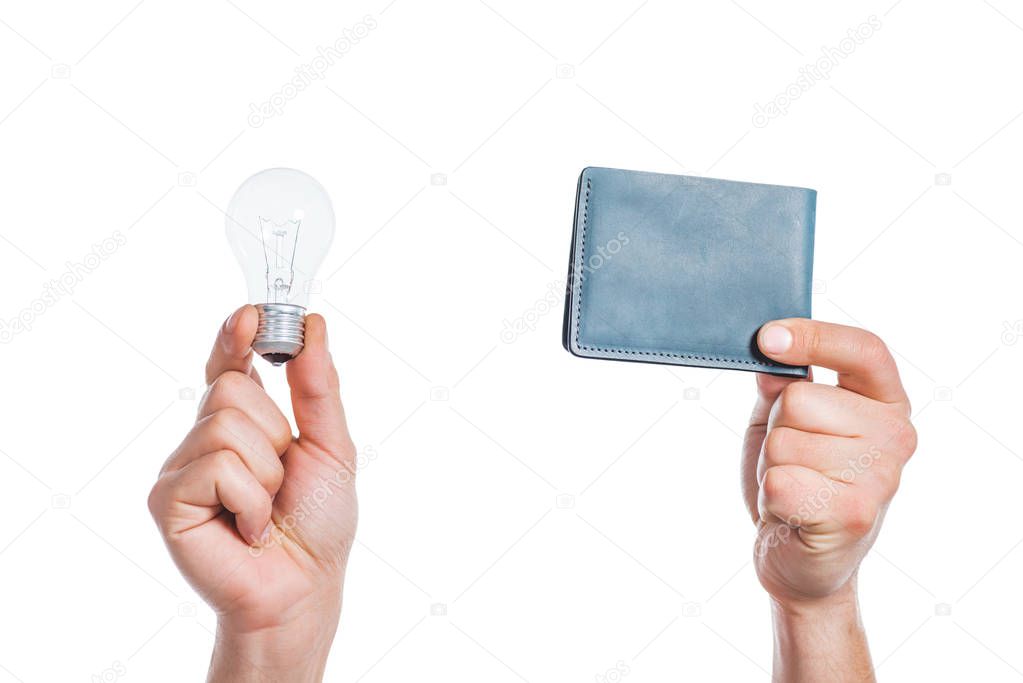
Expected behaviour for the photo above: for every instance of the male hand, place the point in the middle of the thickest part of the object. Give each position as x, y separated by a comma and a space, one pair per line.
261, 523
820, 465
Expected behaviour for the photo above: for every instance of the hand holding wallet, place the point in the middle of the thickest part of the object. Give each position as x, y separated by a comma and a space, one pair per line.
684, 270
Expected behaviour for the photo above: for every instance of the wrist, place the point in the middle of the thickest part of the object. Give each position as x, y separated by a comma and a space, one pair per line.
825, 634
842, 604
294, 651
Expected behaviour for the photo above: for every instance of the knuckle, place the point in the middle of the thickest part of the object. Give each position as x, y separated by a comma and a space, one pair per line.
223, 460
891, 426
154, 502
263, 505
275, 473
773, 486
861, 516
232, 425
229, 384
890, 478
873, 348
900, 436
775, 444
281, 438
228, 420
907, 440
794, 398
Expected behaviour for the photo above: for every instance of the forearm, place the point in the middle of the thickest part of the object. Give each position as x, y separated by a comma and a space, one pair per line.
292, 653
821, 641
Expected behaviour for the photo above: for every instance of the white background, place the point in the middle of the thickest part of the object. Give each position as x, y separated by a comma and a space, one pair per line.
109, 112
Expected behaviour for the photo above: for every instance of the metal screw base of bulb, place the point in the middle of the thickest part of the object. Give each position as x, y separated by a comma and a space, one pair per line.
280, 335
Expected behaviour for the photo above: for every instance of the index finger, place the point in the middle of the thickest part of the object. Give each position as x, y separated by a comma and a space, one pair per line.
233, 348
862, 361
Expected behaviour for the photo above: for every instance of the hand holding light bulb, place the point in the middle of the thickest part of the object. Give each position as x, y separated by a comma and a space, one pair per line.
261, 523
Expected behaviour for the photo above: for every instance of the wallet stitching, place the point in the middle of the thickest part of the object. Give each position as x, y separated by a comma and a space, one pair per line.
579, 303
582, 262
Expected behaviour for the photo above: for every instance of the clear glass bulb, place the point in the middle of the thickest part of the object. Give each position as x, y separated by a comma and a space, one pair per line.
280, 224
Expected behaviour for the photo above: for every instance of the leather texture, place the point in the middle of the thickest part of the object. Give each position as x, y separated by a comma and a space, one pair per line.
685, 270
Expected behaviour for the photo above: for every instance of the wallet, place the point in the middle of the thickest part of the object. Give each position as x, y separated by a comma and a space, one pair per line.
685, 270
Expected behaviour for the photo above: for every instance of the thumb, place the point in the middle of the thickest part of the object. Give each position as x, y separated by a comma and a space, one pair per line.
315, 395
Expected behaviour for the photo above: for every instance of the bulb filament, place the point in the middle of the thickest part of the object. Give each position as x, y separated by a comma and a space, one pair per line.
279, 243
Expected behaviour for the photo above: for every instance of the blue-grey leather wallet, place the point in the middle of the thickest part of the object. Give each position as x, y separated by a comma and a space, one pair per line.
685, 270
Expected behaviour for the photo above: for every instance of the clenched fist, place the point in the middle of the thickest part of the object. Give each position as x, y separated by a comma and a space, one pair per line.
820, 465
258, 521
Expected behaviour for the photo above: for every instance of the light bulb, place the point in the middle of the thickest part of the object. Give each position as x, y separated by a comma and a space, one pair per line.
280, 224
